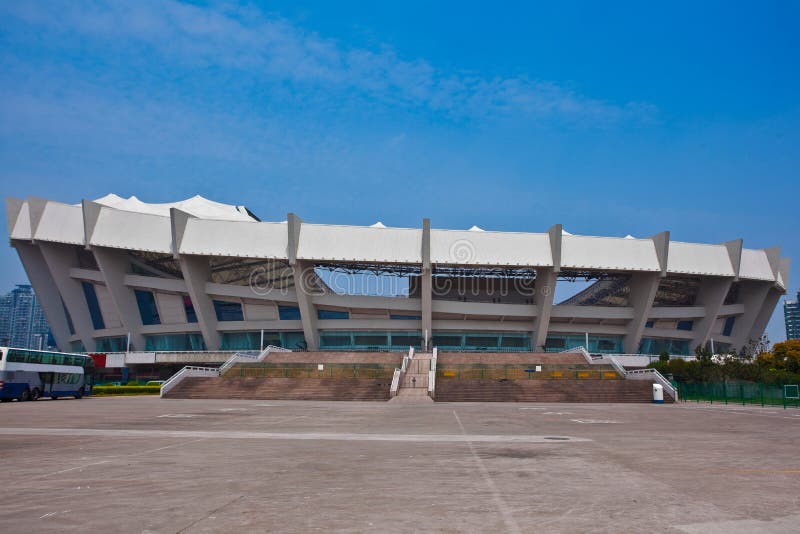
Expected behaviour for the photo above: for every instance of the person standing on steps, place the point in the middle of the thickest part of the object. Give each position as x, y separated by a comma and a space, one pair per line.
413, 381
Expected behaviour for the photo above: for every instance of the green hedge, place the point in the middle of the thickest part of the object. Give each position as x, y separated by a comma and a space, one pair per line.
100, 391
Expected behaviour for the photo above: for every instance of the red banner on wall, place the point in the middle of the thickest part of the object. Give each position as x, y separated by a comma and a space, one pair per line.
99, 360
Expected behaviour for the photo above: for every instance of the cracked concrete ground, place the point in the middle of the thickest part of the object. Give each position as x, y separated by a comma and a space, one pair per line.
152, 465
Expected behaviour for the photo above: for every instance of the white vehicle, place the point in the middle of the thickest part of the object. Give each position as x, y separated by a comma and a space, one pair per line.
29, 374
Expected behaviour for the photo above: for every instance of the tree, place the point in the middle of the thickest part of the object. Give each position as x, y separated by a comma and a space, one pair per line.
703, 355
787, 355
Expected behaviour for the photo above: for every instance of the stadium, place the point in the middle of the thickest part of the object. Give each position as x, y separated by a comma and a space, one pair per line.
121, 275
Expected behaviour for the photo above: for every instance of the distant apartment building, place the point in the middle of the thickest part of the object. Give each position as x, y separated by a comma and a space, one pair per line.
791, 314
22, 322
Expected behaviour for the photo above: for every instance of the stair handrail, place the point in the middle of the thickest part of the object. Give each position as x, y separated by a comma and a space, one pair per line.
395, 382
634, 374
188, 370
250, 355
432, 374
618, 367
580, 350
397, 377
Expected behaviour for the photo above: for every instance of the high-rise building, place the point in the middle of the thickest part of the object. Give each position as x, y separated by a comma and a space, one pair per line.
791, 314
22, 322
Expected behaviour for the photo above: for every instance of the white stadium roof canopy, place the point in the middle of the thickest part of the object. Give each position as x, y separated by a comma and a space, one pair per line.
199, 226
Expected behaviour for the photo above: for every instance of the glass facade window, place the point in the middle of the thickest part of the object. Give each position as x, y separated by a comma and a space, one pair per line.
293, 340
252, 340
77, 346
111, 344
685, 325
516, 342
147, 307
720, 348
483, 341
94, 306
727, 329
447, 341
242, 340
649, 324
175, 342
228, 311
332, 314
288, 313
369, 340
336, 341
191, 315
397, 317
597, 343
403, 341
657, 346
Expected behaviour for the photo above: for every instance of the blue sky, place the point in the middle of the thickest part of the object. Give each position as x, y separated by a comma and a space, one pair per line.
610, 119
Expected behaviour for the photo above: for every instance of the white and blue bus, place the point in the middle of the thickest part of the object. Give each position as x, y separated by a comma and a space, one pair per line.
29, 374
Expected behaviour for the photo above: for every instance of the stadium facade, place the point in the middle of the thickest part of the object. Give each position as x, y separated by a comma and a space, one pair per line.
116, 273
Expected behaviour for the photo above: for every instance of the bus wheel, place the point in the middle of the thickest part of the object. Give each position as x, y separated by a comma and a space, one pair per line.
53, 397
35, 394
26, 396
78, 395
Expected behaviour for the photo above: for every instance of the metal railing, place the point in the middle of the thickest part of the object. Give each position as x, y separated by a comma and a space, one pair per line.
397, 377
742, 393
432, 374
618, 367
582, 351
653, 374
636, 374
395, 382
266, 369
189, 370
526, 372
250, 355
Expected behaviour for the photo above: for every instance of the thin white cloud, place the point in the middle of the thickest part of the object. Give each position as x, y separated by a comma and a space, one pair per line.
263, 45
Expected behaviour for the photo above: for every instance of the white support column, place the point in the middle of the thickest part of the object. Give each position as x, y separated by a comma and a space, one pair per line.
113, 266
426, 285
196, 272
765, 313
546, 280
46, 291
59, 260
304, 284
644, 287
304, 287
711, 296
753, 295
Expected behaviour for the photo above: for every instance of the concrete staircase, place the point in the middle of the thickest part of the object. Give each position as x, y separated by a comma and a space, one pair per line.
600, 391
414, 384
356, 389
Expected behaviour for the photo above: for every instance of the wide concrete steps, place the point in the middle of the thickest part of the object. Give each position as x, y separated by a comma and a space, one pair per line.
356, 389
453, 390
412, 396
